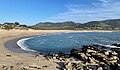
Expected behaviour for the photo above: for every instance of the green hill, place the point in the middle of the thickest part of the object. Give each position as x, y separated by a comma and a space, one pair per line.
106, 24
60, 25
113, 24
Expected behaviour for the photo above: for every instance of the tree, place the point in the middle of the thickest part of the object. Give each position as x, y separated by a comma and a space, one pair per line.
17, 23
23, 25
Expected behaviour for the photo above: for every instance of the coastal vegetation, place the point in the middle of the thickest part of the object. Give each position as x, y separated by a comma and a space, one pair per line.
15, 25
113, 24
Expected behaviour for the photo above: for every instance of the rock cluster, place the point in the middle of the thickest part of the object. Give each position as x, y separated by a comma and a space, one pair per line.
95, 57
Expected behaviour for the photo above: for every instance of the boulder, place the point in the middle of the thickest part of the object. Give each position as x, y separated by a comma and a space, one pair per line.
68, 66
91, 47
117, 50
105, 67
92, 67
100, 68
107, 52
74, 52
88, 55
91, 51
8, 55
74, 65
118, 45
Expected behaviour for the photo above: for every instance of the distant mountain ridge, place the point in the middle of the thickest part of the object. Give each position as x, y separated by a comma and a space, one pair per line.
113, 24
106, 24
59, 25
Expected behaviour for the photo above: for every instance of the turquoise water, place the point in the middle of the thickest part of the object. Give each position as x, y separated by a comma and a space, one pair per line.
64, 42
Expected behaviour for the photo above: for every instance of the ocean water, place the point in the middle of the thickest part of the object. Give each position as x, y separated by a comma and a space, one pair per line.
64, 42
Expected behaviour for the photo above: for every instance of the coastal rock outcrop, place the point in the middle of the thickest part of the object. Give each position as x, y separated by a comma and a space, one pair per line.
118, 45
95, 57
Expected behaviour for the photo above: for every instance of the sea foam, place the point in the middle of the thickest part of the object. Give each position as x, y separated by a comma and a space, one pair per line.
110, 46
23, 46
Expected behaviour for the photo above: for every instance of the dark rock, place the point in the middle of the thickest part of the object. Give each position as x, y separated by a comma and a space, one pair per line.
117, 50
61, 55
67, 55
45, 66
76, 53
118, 45
99, 58
117, 68
8, 55
92, 67
105, 67
91, 47
11, 67
114, 67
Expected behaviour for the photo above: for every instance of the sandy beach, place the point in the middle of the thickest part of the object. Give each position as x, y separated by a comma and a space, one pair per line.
19, 61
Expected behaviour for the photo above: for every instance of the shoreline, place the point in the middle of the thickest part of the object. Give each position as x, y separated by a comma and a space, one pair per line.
14, 47
25, 59
9, 58
17, 49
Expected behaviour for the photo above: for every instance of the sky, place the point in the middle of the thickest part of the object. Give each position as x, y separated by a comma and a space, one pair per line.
31, 12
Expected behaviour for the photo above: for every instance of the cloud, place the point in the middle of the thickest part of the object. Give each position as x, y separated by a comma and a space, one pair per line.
105, 1
106, 9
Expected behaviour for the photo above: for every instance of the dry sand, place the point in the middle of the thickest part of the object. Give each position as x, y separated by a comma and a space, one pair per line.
19, 61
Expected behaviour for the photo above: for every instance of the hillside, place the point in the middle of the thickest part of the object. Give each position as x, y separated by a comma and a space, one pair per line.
106, 24
60, 25
113, 24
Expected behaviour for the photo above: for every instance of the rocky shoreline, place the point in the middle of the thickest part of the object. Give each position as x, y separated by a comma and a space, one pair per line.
89, 57
10, 60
